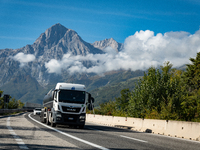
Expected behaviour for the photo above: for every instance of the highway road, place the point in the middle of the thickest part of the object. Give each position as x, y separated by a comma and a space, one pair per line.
24, 131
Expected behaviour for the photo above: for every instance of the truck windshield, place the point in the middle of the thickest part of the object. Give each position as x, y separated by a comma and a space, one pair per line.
70, 96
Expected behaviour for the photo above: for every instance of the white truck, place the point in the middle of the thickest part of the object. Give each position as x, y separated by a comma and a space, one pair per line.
66, 105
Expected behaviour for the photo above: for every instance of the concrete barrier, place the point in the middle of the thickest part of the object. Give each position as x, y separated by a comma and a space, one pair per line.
183, 129
180, 129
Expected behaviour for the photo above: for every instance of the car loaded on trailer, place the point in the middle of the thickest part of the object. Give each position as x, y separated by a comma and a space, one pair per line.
66, 105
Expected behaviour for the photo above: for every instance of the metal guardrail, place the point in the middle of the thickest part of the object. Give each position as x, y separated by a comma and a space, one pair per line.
6, 111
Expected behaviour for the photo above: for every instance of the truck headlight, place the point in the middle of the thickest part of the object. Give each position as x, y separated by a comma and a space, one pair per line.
82, 117
58, 114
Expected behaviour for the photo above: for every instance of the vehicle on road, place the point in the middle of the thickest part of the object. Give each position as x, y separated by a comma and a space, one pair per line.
37, 111
66, 105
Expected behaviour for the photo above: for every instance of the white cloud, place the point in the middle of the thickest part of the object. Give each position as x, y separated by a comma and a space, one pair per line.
23, 58
54, 66
141, 51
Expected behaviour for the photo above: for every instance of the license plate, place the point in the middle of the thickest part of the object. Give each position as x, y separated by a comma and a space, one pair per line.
71, 118
70, 109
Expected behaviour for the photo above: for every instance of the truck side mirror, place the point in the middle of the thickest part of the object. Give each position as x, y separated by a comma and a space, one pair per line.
89, 106
89, 97
92, 99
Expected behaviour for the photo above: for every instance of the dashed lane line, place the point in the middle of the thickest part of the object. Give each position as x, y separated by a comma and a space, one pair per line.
122, 136
134, 139
15, 136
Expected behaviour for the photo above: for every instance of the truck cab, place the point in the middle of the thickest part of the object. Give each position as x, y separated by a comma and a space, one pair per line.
66, 104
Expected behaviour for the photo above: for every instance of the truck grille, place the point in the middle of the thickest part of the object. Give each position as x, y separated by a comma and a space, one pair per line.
70, 118
71, 109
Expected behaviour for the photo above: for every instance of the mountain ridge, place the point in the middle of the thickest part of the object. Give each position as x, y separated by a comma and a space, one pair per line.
108, 43
53, 44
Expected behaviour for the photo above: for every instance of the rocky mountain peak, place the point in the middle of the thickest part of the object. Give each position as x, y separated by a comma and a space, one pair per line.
52, 35
53, 44
59, 40
57, 31
108, 42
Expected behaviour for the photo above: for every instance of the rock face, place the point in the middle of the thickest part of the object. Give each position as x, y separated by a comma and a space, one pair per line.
108, 42
59, 40
23, 73
52, 44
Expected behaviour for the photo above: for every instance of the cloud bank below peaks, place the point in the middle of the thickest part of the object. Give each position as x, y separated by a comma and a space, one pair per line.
141, 51
23, 58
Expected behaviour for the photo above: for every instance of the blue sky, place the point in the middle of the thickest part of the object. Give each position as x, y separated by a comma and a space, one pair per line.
22, 21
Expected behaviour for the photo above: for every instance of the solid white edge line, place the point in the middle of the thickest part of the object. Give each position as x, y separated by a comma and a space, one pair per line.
134, 139
71, 136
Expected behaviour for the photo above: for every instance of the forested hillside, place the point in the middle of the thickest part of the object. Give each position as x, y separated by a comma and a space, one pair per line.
168, 93
111, 91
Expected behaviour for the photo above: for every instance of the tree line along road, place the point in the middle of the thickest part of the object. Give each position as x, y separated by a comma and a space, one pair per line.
25, 131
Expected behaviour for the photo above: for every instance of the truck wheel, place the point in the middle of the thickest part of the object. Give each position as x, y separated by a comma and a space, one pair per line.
47, 120
53, 124
41, 120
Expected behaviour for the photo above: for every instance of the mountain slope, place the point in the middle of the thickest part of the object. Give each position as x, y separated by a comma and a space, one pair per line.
52, 44
59, 40
24, 74
24, 87
112, 91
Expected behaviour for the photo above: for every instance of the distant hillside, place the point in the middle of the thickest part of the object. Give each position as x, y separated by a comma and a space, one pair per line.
25, 88
113, 78
111, 91
112, 84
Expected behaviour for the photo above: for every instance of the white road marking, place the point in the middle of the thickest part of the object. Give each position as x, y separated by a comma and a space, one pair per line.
134, 139
121, 136
71, 136
15, 136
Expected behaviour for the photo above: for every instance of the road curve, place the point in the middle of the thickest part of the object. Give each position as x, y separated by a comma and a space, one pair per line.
24, 131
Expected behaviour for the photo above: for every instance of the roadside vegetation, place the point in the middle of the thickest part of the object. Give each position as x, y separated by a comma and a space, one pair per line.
13, 103
164, 93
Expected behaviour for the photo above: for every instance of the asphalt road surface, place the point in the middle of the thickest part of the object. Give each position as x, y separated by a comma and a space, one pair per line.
25, 131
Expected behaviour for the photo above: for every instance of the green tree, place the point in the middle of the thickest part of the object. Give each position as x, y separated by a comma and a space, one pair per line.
191, 77
13, 103
123, 101
107, 108
20, 104
192, 74
156, 92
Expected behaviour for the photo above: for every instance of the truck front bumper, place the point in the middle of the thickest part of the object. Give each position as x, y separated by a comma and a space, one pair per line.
70, 119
